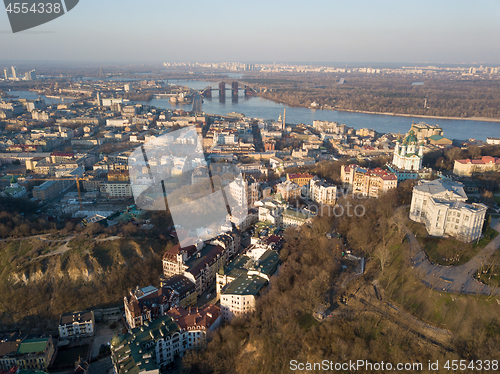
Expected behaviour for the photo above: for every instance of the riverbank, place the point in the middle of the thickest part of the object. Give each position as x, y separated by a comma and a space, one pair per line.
483, 119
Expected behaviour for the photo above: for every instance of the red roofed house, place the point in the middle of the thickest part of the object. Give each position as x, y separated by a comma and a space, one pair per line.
300, 178
368, 182
467, 167
197, 261
196, 322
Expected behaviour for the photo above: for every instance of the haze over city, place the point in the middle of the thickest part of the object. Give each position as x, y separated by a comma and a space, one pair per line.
258, 187
382, 31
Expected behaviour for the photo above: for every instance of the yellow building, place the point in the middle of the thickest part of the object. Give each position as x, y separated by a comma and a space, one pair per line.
301, 179
467, 167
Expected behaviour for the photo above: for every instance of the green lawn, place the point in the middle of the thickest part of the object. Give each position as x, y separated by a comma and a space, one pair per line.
449, 251
488, 235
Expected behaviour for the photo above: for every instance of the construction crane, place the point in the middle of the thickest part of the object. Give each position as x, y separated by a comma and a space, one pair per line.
76, 179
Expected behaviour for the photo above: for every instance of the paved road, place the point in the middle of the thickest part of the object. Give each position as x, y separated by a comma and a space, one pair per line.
457, 279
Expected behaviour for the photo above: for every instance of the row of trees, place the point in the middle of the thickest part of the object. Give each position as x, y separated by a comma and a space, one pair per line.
387, 94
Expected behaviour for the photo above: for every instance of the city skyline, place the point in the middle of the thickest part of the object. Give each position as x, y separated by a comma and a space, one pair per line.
448, 32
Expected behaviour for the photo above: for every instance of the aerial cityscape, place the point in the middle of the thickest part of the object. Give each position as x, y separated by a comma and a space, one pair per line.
176, 204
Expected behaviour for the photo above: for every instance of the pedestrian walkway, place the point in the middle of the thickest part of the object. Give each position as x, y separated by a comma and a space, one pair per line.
456, 279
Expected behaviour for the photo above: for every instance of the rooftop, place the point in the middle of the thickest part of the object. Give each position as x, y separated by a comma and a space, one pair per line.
246, 285
438, 186
131, 352
33, 345
80, 317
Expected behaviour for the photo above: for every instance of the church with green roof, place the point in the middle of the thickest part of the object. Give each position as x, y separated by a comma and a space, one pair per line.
408, 154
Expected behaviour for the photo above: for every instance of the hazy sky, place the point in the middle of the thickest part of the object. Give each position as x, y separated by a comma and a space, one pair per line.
355, 30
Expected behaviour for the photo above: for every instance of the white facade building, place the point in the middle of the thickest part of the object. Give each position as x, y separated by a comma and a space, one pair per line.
408, 156
441, 206
76, 325
321, 192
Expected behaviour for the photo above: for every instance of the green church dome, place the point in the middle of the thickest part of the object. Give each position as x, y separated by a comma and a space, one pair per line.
410, 138
116, 340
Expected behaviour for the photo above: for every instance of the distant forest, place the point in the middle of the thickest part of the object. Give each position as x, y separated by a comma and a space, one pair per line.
437, 96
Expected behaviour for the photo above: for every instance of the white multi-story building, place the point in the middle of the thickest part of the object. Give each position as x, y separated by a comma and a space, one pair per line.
440, 205
288, 190
238, 299
76, 325
321, 192
118, 190
271, 210
244, 191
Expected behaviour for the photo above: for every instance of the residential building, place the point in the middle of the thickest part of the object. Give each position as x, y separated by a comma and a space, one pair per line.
196, 323
288, 190
148, 304
367, 182
322, 192
492, 140
258, 260
118, 189
238, 298
270, 210
155, 344
302, 179
183, 286
47, 190
469, 167
77, 325
19, 351
196, 260
245, 191
293, 218
440, 205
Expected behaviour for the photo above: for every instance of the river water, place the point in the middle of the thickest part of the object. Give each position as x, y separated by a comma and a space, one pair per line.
256, 107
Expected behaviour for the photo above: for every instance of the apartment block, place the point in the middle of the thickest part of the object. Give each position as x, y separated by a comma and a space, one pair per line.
148, 304
367, 182
77, 325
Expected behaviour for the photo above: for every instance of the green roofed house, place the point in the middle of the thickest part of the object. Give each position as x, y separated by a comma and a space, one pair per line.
144, 349
238, 299
439, 140
241, 281
35, 353
292, 218
155, 344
